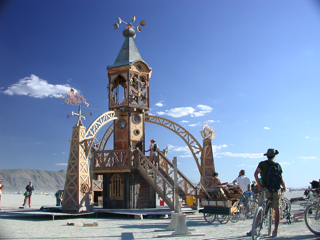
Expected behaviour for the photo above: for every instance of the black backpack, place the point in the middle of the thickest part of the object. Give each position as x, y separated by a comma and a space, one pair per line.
155, 147
274, 177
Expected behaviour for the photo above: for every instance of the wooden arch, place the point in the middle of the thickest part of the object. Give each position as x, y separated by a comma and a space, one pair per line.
96, 125
191, 142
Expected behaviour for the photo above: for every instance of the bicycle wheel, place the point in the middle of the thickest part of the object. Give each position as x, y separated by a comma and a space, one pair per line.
223, 219
209, 217
257, 224
285, 205
269, 221
234, 217
312, 218
251, 208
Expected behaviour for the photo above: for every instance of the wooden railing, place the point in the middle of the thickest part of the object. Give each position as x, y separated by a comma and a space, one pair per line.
152, 175
113, 160
184, 184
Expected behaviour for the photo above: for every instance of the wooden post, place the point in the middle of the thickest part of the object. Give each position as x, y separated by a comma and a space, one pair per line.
176, 195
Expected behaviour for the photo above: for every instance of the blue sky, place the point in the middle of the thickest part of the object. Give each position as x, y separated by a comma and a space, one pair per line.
250, 69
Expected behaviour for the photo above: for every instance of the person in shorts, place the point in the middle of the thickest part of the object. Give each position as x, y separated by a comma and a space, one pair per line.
262, 170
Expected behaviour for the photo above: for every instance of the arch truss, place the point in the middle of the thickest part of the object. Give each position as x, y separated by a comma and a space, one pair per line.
190, 140
96, 125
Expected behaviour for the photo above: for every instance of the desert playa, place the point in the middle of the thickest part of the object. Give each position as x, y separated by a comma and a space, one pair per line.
19, 226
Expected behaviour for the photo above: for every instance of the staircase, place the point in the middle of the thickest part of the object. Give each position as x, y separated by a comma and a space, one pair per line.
162, 179
185, 186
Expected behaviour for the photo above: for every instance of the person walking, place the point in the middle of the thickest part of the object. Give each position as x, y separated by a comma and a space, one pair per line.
1, 187
263, 170
27, 194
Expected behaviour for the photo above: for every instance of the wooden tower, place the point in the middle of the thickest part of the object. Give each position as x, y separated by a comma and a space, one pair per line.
129, 98
77, 185
207, 161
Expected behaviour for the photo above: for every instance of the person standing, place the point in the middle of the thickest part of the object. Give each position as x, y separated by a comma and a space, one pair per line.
28, 193
1, 187
263, 171
153, 149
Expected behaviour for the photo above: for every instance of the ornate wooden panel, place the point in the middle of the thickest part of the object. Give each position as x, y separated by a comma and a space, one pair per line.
112, 160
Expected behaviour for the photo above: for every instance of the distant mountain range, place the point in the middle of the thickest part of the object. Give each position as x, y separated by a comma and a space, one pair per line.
15, 180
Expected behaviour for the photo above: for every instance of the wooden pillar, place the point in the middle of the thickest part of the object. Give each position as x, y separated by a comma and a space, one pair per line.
207, 163
77, 196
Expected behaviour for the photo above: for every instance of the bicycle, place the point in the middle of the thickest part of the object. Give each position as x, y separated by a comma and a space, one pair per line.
285, 208
262, 217
312, 217
251, 206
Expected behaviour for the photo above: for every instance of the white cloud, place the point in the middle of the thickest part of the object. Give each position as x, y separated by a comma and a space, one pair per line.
307, 137
240, 155
61, 164
159, 104
184, 121
200, 111
213, 121
204, 107
36, 87
194, 124
285, 163
307, 158
215, 148
184, 151
161, 113
267, 128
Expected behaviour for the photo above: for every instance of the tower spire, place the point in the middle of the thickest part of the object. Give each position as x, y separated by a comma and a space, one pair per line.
128, 53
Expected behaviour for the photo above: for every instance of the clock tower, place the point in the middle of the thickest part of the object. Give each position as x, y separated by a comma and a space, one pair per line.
129, 94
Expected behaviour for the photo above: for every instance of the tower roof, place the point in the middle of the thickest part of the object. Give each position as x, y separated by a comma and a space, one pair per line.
129, 53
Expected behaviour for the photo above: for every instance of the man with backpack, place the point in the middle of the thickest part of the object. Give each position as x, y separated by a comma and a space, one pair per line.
271, 178
153, 152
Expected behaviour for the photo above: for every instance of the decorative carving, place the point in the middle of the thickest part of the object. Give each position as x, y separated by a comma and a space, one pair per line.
207, 132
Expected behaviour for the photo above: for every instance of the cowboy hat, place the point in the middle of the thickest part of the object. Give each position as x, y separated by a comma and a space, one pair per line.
271, 152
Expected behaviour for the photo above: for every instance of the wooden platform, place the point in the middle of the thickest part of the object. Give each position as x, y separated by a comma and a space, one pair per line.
54, 211
42, 212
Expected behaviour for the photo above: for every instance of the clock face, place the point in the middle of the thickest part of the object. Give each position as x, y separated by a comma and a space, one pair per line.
122, 123
136, 118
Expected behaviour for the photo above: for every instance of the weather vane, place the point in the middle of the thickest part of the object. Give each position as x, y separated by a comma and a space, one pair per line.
75, 99
72, 98
129, 25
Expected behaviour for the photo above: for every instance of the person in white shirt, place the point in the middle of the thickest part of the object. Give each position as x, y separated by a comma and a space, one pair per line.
244, 184
243, 181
